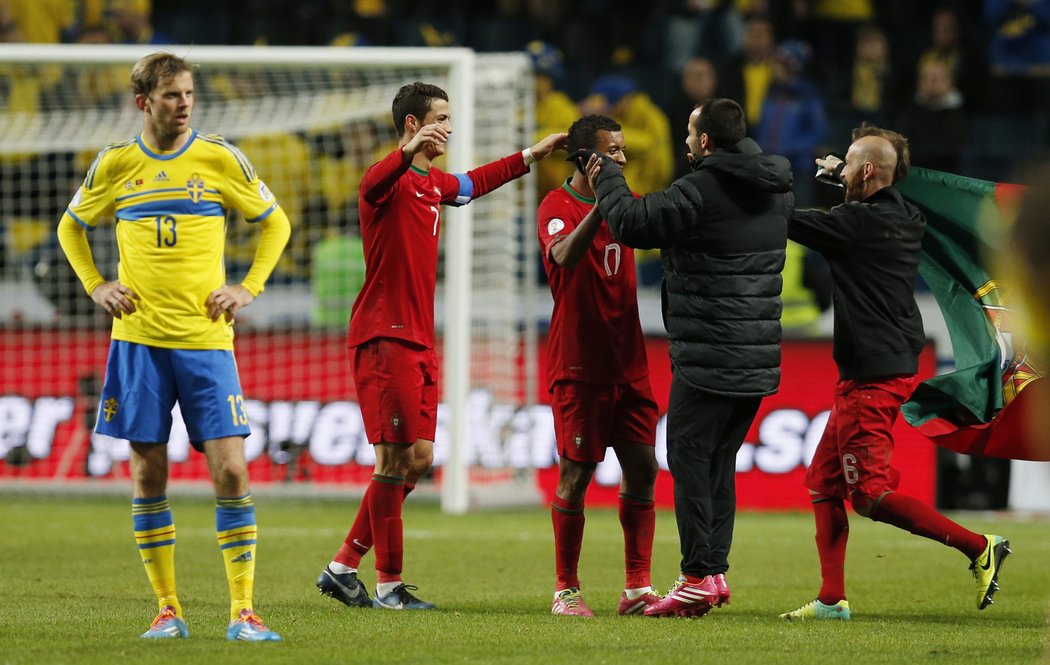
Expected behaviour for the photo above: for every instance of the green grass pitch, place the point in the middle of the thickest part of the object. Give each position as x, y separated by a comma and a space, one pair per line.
73, 591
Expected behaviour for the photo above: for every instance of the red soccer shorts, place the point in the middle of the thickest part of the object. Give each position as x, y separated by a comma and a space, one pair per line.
589, 417
397, 389
854, 453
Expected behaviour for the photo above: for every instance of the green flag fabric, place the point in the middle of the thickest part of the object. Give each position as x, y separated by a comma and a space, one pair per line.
978, 408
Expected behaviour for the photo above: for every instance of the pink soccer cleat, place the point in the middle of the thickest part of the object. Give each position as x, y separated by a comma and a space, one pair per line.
628, 606
723, 589
569, 602
686, 599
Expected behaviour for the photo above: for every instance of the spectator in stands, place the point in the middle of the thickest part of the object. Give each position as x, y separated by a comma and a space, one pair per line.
33, 21
129, 23
555, 110
36, 21
965, 60
698, 84
866, 89
104, 85
500, 26
935, 120
1019, 52
793, 118
694, 28
746, 77
835, 24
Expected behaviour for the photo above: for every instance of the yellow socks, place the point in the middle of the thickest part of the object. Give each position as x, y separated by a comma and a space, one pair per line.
236, 532
155, 536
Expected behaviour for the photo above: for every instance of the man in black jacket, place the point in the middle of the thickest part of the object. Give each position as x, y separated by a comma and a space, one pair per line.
722, 232
873, 243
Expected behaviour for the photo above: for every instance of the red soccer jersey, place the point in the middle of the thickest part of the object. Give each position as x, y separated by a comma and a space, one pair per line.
400, 219
595, 335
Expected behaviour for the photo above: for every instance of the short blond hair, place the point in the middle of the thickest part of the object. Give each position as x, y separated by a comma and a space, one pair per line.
148, 72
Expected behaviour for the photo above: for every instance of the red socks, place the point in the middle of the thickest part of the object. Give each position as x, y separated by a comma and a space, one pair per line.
832, 534
568, 522
915, 516
638, 519
385, 495
901, 511
359, 539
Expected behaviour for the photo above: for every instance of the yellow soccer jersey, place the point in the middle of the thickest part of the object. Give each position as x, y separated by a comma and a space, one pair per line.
171, 218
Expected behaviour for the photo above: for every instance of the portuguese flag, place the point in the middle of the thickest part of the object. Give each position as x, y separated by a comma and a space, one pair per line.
981, 407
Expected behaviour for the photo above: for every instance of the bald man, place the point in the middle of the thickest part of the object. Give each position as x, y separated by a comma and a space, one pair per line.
872, 243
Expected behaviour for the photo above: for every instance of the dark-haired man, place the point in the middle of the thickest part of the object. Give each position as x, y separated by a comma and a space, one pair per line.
873, 244
722, 230
597, 374
392, 329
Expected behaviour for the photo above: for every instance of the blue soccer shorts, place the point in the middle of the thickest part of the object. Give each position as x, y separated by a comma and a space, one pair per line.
143, 383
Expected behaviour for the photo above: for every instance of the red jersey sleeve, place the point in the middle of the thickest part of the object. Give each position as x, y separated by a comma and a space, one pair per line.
459, 189
554, 222
378, 182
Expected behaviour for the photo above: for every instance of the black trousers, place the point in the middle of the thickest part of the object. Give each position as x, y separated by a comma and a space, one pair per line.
704, 433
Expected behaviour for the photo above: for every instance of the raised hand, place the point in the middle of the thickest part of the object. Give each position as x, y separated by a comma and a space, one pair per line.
591, 170
549, 144
579, 157
829, 163
433, 133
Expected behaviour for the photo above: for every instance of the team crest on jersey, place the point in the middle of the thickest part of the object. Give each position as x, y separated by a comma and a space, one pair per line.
195, 187
554, 226
109, 408
577, 439
395, 420
264, 192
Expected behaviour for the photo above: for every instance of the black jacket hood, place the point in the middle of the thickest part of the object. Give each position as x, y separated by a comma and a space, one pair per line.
747, 162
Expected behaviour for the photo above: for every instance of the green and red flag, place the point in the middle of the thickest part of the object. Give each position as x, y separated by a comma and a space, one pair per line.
983, 407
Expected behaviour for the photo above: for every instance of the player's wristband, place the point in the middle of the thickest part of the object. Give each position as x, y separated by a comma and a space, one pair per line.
526, 154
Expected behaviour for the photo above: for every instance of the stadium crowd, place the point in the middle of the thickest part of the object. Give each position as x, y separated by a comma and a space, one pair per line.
965, 80
804, 69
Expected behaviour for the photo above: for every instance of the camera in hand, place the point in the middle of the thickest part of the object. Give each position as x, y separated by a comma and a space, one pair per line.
829, 177
580, 158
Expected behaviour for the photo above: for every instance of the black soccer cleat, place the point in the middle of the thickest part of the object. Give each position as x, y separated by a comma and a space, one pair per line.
345, 588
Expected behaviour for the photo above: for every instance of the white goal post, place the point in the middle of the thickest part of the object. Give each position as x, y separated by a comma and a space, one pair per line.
484, 309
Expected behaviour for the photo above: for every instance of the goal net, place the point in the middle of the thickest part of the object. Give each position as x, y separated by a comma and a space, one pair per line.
311, 120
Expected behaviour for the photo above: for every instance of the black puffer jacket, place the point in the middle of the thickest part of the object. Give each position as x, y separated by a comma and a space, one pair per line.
722, 230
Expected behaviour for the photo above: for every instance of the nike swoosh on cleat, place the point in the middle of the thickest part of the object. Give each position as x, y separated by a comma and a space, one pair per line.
988, 565
353, 593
